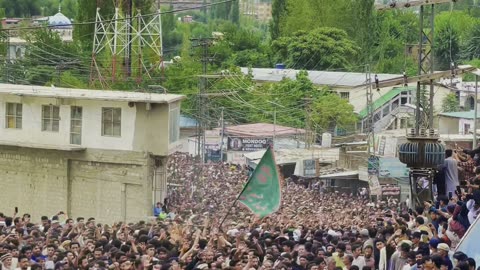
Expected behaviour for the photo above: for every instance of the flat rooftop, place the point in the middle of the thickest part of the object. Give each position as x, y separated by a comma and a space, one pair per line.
87, 94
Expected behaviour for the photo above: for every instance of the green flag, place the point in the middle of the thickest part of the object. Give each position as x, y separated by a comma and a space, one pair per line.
262, 194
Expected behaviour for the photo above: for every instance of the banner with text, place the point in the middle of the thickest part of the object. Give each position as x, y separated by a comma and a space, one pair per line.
248, 144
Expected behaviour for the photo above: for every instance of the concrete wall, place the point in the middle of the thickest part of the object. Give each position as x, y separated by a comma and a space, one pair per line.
448, 125
107, 185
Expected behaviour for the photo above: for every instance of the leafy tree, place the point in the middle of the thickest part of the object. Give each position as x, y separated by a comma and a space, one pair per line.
87, 11
322, 48
50, 7
3, 36
20, 8
279, 12
235, 12
450, 103
331, 111
447, 49
364, 12
471, 49
392, 32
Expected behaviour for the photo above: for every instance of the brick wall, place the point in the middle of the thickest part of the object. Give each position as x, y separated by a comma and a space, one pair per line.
107, 185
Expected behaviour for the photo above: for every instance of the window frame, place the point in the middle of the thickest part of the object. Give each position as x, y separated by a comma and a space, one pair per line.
345, 95
112, 122
15, 116
79, 123
51, 118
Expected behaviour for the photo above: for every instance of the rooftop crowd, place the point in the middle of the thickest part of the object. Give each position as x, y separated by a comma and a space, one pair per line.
312, 230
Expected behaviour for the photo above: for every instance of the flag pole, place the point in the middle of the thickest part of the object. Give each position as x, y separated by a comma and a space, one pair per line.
234, 203
239, 195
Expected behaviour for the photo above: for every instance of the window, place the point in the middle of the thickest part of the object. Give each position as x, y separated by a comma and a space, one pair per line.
345, 95
50, 118
111, 122
76, 125
466, 129
386, 110
174, 124
13, 115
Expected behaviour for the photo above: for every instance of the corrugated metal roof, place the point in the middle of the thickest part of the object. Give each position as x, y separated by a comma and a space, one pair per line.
324, 78
464, 115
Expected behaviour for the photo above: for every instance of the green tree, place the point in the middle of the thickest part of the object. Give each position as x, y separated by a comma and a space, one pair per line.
322, 48
364, 13
279, 13
331, 111
235, 12
450, 103
447, 49
20, 8
471, 48
86, 12
3, 36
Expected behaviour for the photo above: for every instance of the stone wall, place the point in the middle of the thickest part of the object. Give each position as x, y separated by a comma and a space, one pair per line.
107, 185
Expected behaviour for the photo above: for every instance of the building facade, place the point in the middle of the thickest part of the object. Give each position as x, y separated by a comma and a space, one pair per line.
90, 153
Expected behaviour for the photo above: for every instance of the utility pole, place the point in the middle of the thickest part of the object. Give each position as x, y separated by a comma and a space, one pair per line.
370, 122
275, 119
223, 136
475, 116
308, 124
204, 43
274, 124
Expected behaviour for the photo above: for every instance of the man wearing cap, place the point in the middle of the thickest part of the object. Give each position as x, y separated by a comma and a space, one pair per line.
443, 250
6, 261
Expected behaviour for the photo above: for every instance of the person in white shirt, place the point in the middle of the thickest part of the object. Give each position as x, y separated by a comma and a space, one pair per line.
473, 210
358, 260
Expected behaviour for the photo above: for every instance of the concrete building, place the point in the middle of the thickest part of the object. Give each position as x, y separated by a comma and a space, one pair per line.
90, 153
392, 106
58, 23
256, 9
457, 123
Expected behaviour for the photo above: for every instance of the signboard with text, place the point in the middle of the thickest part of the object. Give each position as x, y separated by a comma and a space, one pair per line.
391, 191
248, 144
212, 152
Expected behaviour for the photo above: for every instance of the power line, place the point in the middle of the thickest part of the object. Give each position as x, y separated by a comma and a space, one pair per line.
123, 19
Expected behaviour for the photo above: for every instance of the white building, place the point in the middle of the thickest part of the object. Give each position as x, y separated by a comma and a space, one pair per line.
58, 23
392, 106
95, 153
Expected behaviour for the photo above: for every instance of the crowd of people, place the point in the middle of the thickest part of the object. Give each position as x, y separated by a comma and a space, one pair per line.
311, 230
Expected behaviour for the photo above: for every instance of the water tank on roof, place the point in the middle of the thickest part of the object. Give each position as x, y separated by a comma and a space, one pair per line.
326, 140
280, 66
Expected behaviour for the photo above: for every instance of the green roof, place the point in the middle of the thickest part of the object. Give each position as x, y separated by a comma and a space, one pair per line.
385, 99
464, 115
